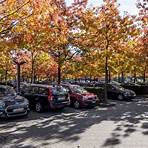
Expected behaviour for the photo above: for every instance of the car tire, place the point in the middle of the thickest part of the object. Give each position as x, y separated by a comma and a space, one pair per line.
76, 105
120, 97
39, 107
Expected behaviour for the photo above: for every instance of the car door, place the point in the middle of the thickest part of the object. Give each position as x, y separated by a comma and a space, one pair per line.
42, 96
111, 92
72, 95
30, 93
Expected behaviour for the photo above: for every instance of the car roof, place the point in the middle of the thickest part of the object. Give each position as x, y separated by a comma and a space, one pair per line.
5, 86
42, 85
68, 84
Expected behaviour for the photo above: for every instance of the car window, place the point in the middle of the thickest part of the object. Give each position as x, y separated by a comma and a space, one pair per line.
118, 87
2, 92
78, 89
34, 90
67, 88
10, 91
26, 89
43, 91
58, 90
110, 87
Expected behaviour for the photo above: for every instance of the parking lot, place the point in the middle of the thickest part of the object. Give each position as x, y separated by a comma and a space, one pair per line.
122, 126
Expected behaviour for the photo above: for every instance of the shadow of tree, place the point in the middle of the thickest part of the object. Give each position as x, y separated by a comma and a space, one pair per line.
67, 126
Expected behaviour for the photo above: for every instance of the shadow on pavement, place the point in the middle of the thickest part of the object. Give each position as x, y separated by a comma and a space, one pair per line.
67, 125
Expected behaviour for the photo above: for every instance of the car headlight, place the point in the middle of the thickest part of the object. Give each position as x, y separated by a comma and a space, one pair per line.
134, 94
96, 97
26, 102
84, 98
2, 104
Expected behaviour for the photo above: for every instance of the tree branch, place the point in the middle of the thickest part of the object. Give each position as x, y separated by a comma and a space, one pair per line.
14, 11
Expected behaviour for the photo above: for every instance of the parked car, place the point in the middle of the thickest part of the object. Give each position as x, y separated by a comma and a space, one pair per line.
79, 97
116, 91
43, 97
11, 104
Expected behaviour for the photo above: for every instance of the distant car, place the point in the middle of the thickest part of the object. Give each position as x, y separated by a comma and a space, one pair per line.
79, 97
43, 97
11, 104
115, 91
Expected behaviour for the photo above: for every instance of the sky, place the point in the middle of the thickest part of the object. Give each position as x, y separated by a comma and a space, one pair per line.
125, 5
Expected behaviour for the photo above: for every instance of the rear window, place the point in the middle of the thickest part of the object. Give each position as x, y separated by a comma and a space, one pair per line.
58, 90
78, 89
43, 91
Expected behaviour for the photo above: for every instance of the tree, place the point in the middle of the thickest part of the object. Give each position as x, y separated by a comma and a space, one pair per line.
143, 39
12, 12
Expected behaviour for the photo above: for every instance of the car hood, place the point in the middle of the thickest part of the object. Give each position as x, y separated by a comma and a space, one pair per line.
12, 100
127, 91
87, 94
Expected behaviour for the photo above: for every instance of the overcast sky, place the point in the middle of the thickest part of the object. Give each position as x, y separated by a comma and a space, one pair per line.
125, 5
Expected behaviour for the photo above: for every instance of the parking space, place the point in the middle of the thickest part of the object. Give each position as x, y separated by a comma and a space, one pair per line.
120, 126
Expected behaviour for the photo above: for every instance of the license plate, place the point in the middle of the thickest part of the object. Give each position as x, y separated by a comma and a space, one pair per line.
61, 99
93, 101
18, 110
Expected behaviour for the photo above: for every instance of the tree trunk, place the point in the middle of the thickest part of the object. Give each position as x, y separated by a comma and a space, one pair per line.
109, 76
6, 74
135, 75
59, 74
18, 78
106, 79
122, 76
144, 74
32, 68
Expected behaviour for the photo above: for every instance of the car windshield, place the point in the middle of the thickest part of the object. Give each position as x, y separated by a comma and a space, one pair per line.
118, 87
78, 89
11, 92
58, 91
7, 92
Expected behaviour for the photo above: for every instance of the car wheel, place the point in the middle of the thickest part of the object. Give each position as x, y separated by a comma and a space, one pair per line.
38, 107
120, 97
76, 105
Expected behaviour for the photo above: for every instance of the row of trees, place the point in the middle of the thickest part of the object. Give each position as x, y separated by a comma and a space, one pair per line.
57, 41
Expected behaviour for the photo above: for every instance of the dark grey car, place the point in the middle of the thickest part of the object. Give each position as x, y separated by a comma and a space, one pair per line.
11, 104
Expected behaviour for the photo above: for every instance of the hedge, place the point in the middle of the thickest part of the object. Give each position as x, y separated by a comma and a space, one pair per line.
139, 90
99, 91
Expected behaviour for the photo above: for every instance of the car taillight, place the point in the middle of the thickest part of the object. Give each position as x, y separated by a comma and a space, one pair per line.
50, 98
68, 97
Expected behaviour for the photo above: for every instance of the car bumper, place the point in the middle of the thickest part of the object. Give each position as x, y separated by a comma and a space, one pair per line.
15, 111
129, 97
89, 103
59, 105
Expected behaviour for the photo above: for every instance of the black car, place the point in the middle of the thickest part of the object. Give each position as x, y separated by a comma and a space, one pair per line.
11, 104
44, 97
115, 91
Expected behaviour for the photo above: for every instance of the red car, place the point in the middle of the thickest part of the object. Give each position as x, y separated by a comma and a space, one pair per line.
79, 97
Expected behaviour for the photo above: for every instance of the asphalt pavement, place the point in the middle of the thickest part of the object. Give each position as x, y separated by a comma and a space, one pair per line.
122, 126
